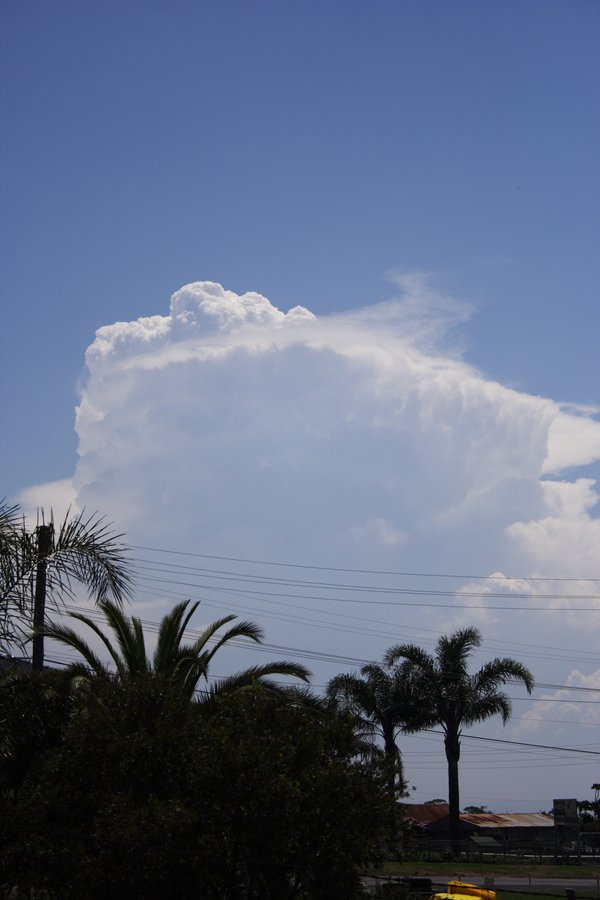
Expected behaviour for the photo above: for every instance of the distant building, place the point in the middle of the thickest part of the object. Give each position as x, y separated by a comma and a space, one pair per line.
433, 820
510, 826
422, 815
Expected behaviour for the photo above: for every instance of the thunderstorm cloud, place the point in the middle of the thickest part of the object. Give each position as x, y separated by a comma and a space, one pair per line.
362, 437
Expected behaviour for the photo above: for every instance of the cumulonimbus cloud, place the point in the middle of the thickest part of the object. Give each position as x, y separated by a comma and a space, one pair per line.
272, 429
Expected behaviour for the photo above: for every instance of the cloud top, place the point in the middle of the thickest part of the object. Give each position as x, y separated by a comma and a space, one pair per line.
197, 310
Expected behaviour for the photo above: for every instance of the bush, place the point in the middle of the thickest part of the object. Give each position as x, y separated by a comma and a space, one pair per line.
146, 796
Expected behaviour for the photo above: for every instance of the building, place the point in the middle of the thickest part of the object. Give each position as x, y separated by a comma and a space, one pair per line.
432, 820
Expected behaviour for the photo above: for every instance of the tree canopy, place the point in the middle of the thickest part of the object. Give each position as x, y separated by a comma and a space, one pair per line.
144, 797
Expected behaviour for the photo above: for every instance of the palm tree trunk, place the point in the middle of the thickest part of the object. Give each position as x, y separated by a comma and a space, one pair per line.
452, 745
45, 534
393, 763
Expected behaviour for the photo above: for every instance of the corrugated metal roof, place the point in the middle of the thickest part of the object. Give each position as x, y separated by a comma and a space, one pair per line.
508, 820
425, 813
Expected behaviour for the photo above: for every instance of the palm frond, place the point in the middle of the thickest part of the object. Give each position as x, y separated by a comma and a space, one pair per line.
17, 560
353, 695
86, 549
258, 675
453, 651
239, 630
413, 654
484, 706
130, 637
502, 670
70, 638
170, 635
114, 655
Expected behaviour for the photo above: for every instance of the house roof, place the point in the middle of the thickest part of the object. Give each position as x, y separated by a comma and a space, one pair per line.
508, 820
424, 814
435, 817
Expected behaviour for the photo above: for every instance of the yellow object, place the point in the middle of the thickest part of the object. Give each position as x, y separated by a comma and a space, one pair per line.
460, 890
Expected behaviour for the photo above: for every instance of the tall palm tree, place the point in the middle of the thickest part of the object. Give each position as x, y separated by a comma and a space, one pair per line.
447, 695
40, 565
183, 665
380, 700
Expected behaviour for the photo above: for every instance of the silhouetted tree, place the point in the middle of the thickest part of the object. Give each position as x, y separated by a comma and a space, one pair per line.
446, 694
381, 702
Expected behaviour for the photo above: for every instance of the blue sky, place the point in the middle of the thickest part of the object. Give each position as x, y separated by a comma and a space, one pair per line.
438, 156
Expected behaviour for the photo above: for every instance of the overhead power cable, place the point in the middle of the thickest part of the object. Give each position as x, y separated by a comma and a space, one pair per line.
561, 653
263, 562
246, 577
476, 737
402, 603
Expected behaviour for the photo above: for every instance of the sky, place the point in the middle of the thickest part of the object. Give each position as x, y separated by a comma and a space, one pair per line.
302, 297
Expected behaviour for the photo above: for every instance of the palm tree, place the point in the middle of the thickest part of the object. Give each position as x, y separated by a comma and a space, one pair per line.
380, 701
41, 565
10, 606
447, 695
183, 665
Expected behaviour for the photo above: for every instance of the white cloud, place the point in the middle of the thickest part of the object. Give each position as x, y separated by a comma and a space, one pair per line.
567, 536
55, 497
380, 531
573, 440
269, 430
566, 707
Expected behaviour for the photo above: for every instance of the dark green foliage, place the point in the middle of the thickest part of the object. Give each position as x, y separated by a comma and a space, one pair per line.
589, 814
147, 795
34, 714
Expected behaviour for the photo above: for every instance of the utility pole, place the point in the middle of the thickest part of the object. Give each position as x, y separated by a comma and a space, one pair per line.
45, 546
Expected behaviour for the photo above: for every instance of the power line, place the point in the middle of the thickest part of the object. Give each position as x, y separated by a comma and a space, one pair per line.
274, 597
245, 577
530, 649
404, 592
475, 737
263, 562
